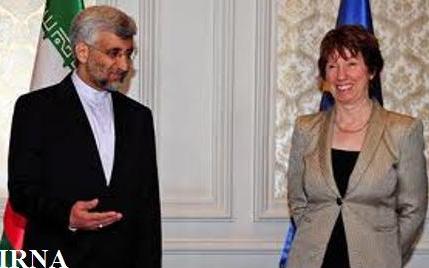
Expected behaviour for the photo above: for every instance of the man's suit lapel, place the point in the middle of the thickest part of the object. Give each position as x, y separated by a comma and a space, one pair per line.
78, 120
78, 115
120, 117
372, 139
324, 148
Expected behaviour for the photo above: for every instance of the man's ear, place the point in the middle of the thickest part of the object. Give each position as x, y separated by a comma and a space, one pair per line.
81, 52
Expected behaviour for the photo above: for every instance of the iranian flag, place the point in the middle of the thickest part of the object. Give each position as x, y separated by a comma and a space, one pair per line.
54, 60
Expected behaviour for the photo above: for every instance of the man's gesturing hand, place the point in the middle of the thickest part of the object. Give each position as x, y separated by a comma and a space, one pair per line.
82, 219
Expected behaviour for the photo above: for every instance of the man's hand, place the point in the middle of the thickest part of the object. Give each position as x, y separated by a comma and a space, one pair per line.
82, 219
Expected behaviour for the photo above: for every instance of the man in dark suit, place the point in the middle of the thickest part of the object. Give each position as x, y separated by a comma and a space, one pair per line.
82, 164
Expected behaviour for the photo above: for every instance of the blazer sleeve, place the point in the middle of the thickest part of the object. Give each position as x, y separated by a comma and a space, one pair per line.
412, 187
297, 199
150, 222
25, 162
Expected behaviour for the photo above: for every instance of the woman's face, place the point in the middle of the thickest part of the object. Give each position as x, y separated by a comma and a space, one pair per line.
348, 77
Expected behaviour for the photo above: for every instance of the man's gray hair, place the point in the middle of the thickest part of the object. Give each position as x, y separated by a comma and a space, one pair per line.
95, 19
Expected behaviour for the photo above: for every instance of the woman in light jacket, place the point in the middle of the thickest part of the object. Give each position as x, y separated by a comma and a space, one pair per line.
357, 183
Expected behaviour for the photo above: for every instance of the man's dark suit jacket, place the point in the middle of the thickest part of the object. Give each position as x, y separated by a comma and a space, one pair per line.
54, 162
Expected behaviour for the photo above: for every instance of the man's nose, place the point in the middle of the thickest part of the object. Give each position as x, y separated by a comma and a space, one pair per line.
123, 63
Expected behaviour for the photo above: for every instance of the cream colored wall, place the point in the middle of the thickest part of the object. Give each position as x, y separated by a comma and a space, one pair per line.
19, 31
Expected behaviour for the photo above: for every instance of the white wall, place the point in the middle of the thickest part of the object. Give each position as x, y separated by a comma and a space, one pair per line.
207, 70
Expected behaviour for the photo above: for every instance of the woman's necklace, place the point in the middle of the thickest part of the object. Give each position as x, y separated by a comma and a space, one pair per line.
346, 130
356, 130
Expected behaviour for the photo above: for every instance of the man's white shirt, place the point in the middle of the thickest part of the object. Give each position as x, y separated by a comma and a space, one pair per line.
98, 108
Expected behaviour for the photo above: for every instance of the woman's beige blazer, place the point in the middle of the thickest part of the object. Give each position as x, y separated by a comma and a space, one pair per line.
385, 204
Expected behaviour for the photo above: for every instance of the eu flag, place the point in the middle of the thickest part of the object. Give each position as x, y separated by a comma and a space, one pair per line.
354, 12
287, 244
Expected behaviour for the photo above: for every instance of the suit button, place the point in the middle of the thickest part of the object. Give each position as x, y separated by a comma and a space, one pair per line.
339, 201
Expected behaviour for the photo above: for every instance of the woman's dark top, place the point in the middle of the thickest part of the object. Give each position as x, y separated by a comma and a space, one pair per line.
336, 255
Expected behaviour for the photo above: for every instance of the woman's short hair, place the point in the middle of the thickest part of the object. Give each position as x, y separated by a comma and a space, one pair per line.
355, 39
95, 19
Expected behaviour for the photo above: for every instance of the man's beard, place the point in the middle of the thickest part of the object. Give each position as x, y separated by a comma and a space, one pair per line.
112, 86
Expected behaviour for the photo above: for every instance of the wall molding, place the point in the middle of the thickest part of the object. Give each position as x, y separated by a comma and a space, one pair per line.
217, 205
239, 247
221, 247
266, 206
148, 59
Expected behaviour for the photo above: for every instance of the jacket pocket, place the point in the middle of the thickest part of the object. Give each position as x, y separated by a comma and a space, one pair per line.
386, 221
